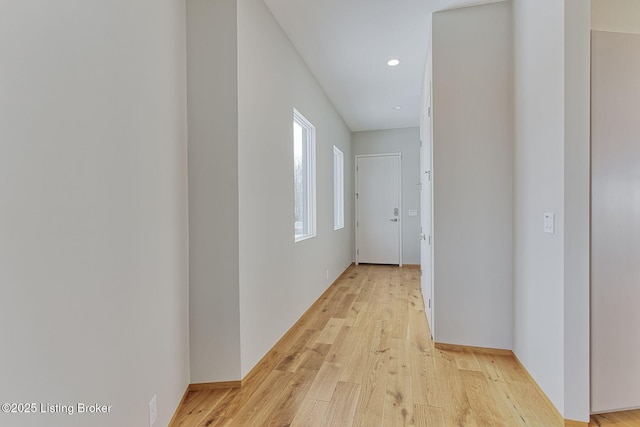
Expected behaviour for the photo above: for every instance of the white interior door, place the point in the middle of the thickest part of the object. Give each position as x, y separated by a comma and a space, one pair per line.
378, 216
615, 222
426, 262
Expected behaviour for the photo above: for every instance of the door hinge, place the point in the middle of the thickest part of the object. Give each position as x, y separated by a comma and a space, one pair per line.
357, 196
429, 239
429, 302
429, 111
429, 174
357, 251
357, 224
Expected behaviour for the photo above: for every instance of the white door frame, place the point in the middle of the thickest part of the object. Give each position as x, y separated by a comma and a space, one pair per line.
399, 156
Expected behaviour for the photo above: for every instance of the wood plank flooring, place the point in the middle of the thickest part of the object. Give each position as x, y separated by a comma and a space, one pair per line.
362, 356
618, 419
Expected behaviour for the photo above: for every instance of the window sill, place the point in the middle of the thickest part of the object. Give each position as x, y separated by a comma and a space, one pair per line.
304, 237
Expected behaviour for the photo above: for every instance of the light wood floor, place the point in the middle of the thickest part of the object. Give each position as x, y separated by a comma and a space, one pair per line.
618, 419
362, 356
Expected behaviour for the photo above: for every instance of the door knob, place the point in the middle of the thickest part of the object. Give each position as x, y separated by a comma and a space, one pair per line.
394, 219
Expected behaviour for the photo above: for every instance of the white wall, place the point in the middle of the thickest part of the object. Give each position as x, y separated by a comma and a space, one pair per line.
213, 190
407, 142
616, 15
576, 209
280, 279
93, 214
539, 188
551, 175
616, 224
472, 175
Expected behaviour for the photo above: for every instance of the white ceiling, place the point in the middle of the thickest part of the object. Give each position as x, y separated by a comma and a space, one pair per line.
347, 43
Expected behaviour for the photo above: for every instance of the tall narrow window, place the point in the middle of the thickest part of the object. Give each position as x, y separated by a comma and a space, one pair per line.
338, 188
304, 177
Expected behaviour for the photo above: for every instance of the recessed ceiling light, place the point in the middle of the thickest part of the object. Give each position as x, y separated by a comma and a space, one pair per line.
393, 62
397, 107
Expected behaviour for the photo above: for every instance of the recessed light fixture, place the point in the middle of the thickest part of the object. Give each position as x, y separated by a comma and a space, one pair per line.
397, 107
393, 62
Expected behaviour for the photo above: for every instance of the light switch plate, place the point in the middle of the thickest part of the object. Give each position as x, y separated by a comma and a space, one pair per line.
549, 222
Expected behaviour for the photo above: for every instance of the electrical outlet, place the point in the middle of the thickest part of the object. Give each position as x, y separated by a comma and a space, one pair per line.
153, 410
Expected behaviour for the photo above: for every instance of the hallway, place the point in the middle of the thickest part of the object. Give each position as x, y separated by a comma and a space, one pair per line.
361, 356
